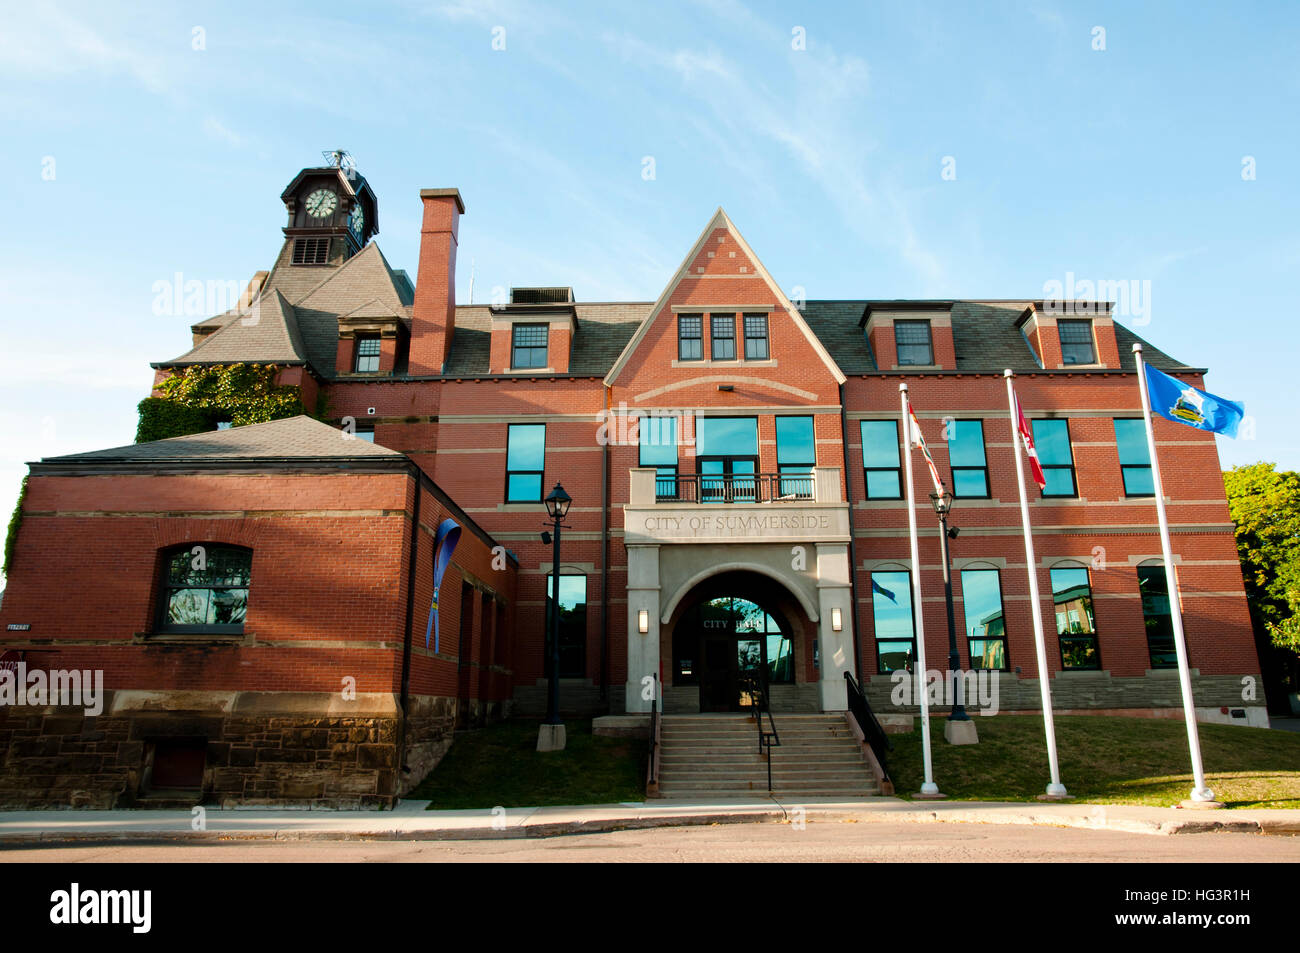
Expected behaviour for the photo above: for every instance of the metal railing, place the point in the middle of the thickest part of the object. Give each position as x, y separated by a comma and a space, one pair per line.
733, 487
652, 762
759, 705
871, 729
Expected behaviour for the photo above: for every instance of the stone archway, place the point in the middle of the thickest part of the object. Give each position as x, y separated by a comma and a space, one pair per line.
731, 626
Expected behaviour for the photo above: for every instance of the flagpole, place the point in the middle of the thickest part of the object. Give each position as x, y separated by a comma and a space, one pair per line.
1200, 793
1055, 789
929, 788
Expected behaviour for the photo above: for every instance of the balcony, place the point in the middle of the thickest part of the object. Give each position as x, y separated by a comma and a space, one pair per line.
750, 507
733, 488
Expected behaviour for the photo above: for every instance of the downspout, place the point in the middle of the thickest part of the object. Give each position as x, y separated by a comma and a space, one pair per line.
853, 549
604, 561
410, 618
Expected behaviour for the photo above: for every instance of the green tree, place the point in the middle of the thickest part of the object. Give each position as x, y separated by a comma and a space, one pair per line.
1265, 509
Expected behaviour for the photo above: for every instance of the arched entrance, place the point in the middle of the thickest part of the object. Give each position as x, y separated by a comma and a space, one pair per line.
732, 630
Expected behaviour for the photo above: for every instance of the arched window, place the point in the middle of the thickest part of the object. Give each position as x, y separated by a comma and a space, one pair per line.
204, 589
1156, 616
1075, 626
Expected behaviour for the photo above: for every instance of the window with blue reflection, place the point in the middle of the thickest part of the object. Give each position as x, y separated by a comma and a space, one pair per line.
880, 460
1052, 440
573, 625
970, 475
726, 437
1134, 457
1072, 597
891, 612
658, 438
796, 454
986, 628
525, 462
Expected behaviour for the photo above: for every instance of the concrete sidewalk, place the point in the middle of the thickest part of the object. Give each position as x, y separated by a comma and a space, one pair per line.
411, 821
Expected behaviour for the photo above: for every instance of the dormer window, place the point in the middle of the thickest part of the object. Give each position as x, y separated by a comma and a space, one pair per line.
756, 337
1076, 342
690, 337
722, 328
367, 354
913, 341
528, 346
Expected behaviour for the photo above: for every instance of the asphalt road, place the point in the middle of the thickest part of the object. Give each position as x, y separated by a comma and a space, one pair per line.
876, 841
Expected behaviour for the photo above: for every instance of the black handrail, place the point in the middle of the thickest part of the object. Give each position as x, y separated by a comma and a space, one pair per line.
652, 764
759, 704
733, 487
866, 719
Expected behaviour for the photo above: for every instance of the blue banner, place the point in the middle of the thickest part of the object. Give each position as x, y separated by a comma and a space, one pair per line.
444, 544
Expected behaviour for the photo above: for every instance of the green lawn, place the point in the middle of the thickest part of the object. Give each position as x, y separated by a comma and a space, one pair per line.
499, 766
1105, 760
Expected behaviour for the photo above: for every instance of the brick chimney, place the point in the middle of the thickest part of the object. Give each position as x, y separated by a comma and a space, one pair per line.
433, 317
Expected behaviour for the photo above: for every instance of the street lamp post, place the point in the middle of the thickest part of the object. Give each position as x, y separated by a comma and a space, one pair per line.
942, 505
551, 737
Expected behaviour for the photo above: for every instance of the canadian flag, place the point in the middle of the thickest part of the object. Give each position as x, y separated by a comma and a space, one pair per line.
1027, 434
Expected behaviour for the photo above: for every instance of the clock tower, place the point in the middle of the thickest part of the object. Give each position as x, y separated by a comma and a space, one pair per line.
332, 212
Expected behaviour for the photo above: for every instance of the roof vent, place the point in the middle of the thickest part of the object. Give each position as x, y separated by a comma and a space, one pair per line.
541, 296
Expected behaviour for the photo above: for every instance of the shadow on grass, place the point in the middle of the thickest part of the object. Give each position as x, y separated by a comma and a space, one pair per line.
499, 766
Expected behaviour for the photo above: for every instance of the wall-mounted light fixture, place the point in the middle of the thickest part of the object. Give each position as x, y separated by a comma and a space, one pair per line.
643, 621
837, 620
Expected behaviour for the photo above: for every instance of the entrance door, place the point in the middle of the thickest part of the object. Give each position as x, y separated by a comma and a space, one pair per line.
718, 684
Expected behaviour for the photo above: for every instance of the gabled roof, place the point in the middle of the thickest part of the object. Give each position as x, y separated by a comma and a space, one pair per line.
291, 439
721, 220
266, 332
311, 299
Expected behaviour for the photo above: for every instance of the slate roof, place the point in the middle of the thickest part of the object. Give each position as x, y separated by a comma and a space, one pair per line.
315, 296
301, 307
985, 336
265, 332
603, 332
293, 438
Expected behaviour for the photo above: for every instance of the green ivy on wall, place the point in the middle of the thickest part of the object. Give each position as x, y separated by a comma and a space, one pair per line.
12, 536
194, 400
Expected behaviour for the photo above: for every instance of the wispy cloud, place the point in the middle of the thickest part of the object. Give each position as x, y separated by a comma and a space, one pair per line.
214, 129
812, 103
42, 41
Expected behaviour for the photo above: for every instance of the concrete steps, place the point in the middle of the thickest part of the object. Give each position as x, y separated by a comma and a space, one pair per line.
708, 756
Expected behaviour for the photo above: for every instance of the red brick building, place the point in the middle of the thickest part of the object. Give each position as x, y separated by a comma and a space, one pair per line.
735, 463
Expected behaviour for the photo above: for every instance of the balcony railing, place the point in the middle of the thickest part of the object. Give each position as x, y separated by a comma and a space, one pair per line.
734, 488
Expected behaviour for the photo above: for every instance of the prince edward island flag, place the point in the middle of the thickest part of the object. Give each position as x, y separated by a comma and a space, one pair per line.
1184, 404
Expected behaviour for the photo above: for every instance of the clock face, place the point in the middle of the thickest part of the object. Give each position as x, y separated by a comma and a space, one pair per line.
358, 220
321, 203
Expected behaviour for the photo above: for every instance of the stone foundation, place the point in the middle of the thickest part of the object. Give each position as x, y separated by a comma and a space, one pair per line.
284, 750
1095, 692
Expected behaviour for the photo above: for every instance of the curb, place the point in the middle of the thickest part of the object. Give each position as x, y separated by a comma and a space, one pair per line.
1199, 825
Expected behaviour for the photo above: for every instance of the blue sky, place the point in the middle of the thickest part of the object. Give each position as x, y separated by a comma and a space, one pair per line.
1115, 164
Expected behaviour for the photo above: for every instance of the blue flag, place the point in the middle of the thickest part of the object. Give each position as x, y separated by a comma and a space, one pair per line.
1184, 404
